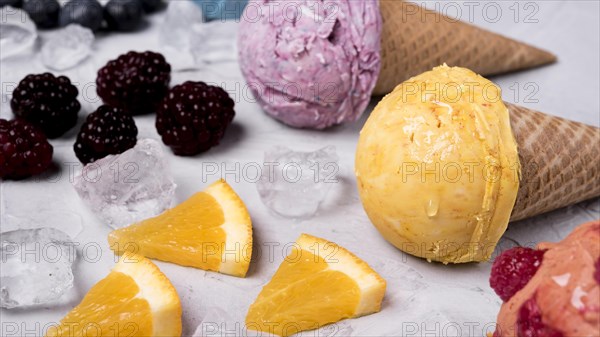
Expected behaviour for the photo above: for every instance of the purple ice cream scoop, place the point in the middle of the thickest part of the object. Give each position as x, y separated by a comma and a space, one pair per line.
311, 63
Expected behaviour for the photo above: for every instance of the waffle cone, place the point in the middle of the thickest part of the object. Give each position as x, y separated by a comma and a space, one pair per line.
560, 162
415, 40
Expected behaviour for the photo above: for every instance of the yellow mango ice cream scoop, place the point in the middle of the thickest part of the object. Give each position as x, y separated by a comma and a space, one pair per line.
443, 164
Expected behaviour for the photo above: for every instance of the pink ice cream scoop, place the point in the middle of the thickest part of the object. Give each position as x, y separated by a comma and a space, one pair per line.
311, 64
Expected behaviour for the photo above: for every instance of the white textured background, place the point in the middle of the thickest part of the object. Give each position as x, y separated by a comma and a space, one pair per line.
422, 298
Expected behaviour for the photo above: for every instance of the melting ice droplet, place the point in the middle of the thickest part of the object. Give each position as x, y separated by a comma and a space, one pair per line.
432, 207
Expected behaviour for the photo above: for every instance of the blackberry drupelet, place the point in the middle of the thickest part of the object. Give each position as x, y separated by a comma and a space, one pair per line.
193, 117
106, 131
47, 102
135, 82
24, 150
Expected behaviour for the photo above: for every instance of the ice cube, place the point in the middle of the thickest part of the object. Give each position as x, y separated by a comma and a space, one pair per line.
189, 43
214, 42
175, 33
67, 47
293, 184
17, 32
179, 19
35, 266
128, 187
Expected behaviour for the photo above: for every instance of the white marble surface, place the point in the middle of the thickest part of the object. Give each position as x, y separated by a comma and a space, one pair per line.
422, 298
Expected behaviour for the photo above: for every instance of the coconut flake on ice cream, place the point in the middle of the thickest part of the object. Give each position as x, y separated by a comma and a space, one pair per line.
311, 64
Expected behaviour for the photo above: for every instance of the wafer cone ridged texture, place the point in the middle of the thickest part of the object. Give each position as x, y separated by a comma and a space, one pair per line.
560, 162
415, 40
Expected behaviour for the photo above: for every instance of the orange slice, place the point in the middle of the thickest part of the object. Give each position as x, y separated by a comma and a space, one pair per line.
135, 299
211, 230
317, 284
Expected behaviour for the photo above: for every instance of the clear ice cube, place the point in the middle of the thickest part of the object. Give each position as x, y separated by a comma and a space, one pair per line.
67, 47
17, 32
35, 266
189, 43
175, 33
214, 42
293, 184
128, 187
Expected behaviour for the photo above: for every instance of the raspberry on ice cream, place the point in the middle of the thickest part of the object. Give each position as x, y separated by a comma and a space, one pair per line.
47, 102
530, 323
513, 269
24, 150
106, 131
193, 117
563, 297
135, 82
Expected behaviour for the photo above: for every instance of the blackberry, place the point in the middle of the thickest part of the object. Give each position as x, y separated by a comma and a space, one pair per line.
123, 15
106, 131
24, 150
43, 12
87, 13
135, 82
193, 117
513, 269
47, 102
